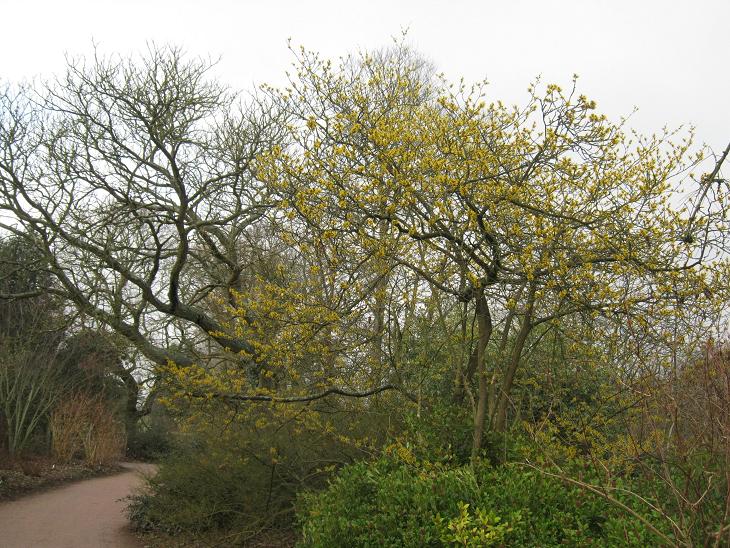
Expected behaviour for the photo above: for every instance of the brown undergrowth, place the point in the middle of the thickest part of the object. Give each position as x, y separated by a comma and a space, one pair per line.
22, 476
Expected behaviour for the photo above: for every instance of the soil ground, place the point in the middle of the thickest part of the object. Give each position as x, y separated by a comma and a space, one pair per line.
19, 477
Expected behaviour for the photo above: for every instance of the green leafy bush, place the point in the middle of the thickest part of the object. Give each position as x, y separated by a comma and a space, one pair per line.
467, 529
394, 502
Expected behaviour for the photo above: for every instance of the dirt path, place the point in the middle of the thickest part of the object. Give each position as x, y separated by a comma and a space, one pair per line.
84, 514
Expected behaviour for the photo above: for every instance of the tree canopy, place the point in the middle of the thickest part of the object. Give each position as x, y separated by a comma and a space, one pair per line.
284, 247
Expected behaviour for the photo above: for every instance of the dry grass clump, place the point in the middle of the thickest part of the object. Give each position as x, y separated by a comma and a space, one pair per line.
84, 424
68, 421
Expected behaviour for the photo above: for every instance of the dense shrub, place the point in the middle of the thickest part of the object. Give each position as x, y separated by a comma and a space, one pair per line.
442, 432
398, 502
236, 471
197, 491
240, 480
192, 493
150, 444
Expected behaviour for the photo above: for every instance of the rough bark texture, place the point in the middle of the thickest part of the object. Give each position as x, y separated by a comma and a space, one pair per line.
484, 324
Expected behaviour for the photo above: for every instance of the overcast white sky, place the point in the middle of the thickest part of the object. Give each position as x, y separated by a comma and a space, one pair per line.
670, 58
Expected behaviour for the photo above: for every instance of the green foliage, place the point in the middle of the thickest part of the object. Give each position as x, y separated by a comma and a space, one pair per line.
150, 444
481, 529
241, 478
154, 437
197, 492
29, 386
441, 433
391, 502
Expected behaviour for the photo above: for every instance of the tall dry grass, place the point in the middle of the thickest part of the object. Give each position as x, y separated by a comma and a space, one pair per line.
105, 439
68, 421
83, 424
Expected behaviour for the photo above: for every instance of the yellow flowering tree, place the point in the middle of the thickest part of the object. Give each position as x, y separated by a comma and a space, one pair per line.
526, 215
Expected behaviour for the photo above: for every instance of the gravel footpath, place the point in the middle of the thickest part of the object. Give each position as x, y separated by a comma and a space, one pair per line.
88, 513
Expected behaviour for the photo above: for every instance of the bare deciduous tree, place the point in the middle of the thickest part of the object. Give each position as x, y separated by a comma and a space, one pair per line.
135, 180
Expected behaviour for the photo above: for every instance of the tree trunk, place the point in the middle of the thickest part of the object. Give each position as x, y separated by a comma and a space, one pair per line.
492, 390
484, 323
499, 421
